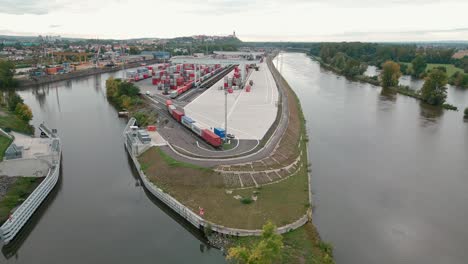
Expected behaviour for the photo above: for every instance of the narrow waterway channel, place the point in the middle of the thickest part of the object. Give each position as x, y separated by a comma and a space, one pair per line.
389, 174
99, 212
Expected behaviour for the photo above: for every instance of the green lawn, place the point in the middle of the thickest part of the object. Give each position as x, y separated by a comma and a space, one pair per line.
9, 120
17, 193
4, 143
451, 69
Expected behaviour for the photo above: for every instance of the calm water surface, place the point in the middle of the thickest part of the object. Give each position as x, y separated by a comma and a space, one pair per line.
390, 175
99, 212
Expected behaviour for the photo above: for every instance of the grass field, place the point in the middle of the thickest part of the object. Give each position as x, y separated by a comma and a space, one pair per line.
17, 193
202, 187
451, 69
4, 144
9, 120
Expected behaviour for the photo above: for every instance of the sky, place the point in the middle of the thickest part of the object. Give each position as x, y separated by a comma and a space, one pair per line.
253, 20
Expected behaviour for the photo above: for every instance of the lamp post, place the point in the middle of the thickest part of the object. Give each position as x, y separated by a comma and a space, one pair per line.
225, 113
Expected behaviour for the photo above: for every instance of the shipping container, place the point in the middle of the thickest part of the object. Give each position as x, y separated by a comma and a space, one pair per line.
171, 108
211, 138
168, 102
187, 121
151, 128
177, 115
197, 129
173, 94
220, 132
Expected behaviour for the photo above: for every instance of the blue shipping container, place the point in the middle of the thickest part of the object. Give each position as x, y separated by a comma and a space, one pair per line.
220, 132
187, 121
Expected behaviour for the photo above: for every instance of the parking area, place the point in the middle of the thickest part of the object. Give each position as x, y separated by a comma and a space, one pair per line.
250, 114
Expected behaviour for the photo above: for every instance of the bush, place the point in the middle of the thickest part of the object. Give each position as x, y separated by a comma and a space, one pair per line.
466, 112
246, 200
141, 118
13, 100
208, 229
24, 112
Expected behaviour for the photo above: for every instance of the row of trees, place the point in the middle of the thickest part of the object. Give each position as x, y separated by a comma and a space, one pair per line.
8, 98
348, 66
125, 96
377, 53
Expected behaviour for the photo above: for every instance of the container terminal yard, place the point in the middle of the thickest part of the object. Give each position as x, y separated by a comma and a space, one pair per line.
262, 131
240, 94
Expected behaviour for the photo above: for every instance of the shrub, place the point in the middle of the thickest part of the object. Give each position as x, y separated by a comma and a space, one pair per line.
24, 112
208, 229
246, 200
466, 112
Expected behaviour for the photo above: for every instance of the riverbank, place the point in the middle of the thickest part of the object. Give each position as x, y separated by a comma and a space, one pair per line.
33, 81
8, 120
401, 89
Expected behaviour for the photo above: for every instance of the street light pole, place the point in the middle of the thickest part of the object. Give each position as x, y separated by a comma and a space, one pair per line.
225, 113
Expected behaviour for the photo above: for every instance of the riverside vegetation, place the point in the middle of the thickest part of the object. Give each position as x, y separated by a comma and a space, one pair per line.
125, 96
14, 113
434, 92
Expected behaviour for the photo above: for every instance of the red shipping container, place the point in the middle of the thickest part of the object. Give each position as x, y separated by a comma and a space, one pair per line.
177, 115
247, 88
180, 90
168, 102
151, 128
211, 138
230, 90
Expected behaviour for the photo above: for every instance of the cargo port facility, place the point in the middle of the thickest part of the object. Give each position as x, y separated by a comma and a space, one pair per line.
208, 100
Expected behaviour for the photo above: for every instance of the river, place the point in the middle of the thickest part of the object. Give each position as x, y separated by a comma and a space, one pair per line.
99, 212
389, 174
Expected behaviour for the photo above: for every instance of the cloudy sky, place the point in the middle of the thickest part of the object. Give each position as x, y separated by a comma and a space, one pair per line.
261, 20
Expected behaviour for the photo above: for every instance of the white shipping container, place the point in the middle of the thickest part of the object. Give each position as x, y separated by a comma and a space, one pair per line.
171, 108
197, 129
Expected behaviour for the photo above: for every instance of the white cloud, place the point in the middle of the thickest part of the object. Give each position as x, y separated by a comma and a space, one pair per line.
276, 20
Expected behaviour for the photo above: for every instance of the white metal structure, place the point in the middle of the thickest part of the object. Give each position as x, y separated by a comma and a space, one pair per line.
18, 219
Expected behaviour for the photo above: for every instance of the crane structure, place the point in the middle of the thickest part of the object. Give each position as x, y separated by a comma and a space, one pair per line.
213, 61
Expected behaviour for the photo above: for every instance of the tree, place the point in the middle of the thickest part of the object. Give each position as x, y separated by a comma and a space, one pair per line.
390, 74
128, 88
24, 112
134, 51
126, 101
13, 100
434, 91
419, 65
267, 250
112, 87
7, 72
466, 112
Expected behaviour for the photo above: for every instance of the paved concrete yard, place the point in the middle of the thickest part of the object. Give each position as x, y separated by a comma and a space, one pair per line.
250, 114
36, 157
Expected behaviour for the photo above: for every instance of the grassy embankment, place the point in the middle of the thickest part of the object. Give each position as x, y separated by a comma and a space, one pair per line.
16, 194
4, 144
282, 202
12, 121
401, 89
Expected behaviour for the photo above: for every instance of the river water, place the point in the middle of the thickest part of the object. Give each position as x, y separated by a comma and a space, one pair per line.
389, 174
99, 212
